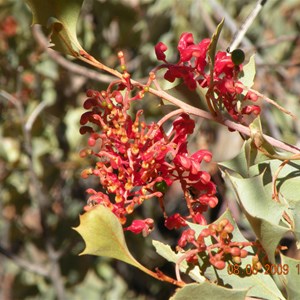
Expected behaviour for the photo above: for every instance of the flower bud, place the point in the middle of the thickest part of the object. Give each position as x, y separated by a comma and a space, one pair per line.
229, 228
235, 251
236, 259
205, 232
244, 253
220, 264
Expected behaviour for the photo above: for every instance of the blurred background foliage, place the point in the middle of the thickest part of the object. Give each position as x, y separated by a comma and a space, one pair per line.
41, 96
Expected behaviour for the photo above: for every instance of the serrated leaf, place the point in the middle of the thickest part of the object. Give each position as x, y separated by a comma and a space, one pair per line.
103, 235
288, 188
171, 256
255, 193
262, 212
60, 18
207, 290
291, 278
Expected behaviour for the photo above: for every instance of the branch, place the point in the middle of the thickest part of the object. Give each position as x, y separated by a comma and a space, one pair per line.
163, 95
238, 37
230, 124
22, 263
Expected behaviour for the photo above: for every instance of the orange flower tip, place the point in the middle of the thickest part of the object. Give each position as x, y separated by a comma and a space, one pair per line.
83, 153
85, 173
145, 165
124, 139
118, 199
152, 75
135, 150
128, 186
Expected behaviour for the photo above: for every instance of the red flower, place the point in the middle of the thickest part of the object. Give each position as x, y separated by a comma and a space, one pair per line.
187, 236
160, 50
144, 226
139, 161
192, 69
175, 221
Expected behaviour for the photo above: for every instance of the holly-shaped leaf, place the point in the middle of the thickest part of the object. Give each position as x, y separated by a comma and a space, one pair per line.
60, 18
103, 235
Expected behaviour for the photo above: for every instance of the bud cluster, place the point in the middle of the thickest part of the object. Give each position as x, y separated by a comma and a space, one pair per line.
220, 249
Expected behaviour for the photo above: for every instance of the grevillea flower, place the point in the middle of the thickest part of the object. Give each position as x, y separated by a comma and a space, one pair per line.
137, 161
193, 68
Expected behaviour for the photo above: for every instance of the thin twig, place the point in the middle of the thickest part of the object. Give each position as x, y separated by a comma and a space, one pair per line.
238, 37
36, 112
14, 101
22, 263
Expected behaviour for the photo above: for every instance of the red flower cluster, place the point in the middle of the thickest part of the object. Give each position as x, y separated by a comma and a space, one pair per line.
224, 89
220, 250
139, 161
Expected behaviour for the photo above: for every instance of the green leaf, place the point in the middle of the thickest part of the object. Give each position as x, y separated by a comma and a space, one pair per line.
60, 18
291, 278
288, 188
263, 213
207, 290
240, 165
171, 256
103, 235
251, 174
213, 45
248, 74
258, 138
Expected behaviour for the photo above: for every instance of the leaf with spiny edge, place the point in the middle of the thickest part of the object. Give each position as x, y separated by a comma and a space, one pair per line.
60, 18
103, 235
